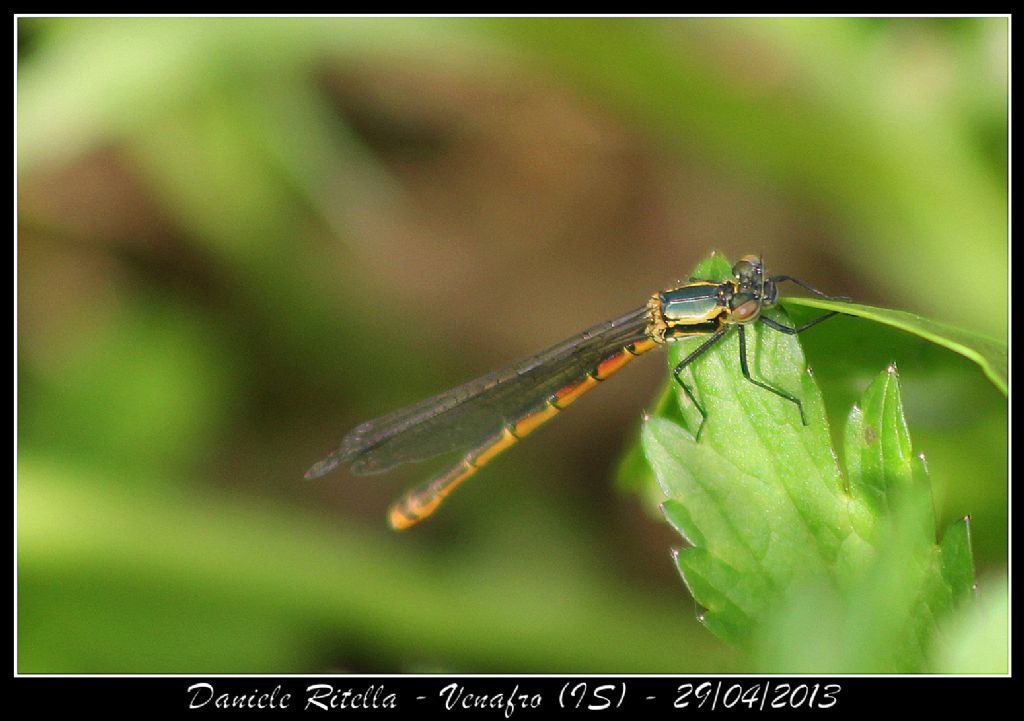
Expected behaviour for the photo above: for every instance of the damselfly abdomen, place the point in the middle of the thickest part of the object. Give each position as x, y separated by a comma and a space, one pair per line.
487, 415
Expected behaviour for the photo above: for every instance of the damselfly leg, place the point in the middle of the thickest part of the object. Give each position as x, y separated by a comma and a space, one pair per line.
484, 417
763, 300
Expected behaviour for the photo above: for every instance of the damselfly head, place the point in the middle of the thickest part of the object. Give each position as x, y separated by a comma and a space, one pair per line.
744, 307
748, 271
751, 280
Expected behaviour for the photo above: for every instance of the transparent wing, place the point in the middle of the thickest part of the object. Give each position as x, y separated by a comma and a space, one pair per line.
463, 416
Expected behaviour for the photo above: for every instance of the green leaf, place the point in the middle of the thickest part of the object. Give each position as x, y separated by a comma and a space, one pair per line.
958, 559
991, 355
774, 532
762, 485
633, 472
881, 470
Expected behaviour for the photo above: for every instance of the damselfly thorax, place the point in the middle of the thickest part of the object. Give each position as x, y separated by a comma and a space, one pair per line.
487, 415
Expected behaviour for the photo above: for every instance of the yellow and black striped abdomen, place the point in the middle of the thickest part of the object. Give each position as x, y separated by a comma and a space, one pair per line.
423, 500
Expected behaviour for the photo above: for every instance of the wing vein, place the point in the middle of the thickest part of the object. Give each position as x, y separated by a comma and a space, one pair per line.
462, 416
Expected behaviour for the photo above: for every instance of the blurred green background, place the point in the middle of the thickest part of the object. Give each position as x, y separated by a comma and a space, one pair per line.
238, 238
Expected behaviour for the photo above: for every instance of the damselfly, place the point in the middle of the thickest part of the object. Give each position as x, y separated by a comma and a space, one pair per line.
488, 415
